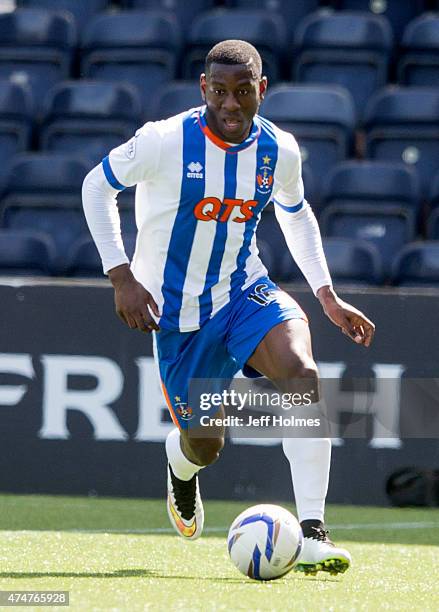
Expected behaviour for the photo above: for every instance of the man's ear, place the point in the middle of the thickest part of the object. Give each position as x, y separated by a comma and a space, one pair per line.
203, 86
263, 84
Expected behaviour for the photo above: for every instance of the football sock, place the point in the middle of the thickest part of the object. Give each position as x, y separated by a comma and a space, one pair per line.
308, 527
309, 462
181, 466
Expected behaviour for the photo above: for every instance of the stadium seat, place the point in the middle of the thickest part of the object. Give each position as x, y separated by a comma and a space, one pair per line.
390, 185
174, 98
398, 12
321, 117
401, 125
89, 118
139, 47
43, 192
419, 61
84, 260
374, 201
291, 12
185, 12
349, 261
348, 49
81, 10
265, 30
36, 48
25, 253
15, 122
417, 264
386, 230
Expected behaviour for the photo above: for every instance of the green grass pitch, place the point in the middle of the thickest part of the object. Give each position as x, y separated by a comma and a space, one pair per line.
116, 554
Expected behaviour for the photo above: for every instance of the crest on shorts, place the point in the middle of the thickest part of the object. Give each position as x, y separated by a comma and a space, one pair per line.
264, 178
183, 410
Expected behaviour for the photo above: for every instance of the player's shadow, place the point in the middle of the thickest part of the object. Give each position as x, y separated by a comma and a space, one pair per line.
123, 573
137, 573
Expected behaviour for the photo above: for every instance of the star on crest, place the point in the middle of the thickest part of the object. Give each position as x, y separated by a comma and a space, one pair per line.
177, 398
266, 160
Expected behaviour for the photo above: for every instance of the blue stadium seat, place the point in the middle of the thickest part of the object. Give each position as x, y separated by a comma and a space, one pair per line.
89, 118
419, 62
36, 48
348, 49
139, 47
401, 125
374, 201
417, 264
175, 97
185, 12
291, 12
265, 30
15, 122
25, 253
84, 259
43, 192
350, 261
398, 12
386, 230
389, 185
81, 10
321, 117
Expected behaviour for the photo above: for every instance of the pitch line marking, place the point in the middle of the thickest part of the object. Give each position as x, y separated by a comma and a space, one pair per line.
165, 530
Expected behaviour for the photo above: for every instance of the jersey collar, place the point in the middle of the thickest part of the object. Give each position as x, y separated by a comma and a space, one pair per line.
229, 148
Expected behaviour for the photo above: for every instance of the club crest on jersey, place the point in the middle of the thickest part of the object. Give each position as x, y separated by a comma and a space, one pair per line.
183, 410
264, 178
195, 170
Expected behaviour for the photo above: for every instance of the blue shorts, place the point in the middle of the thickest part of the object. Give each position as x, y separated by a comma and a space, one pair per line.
222, 346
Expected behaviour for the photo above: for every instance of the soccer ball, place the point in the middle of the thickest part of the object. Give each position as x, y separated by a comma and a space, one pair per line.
265, 541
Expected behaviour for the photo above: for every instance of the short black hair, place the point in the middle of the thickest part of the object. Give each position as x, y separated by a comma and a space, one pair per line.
234, 52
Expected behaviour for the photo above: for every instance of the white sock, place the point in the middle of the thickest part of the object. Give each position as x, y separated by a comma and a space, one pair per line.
309, 462
180, 464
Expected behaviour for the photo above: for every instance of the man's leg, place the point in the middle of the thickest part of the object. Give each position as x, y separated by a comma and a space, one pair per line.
285, 357
190, 447
187, 454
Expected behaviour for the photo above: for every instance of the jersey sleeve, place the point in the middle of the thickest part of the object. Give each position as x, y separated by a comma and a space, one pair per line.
291, 193
134, 161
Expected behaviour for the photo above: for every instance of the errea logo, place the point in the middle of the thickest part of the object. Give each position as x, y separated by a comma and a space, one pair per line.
195, 170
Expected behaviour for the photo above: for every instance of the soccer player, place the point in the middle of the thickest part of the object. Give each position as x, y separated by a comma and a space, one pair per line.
203, 178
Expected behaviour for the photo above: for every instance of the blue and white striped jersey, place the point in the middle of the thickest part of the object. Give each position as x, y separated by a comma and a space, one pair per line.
198, 203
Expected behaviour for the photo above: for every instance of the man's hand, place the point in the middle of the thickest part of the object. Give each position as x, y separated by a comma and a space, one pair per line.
352, 322
132, 300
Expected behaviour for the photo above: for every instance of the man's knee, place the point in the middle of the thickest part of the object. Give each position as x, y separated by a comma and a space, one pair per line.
299, 367
202, 451
299, 375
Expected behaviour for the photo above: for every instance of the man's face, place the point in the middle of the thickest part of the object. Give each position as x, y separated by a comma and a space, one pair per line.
232, 94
